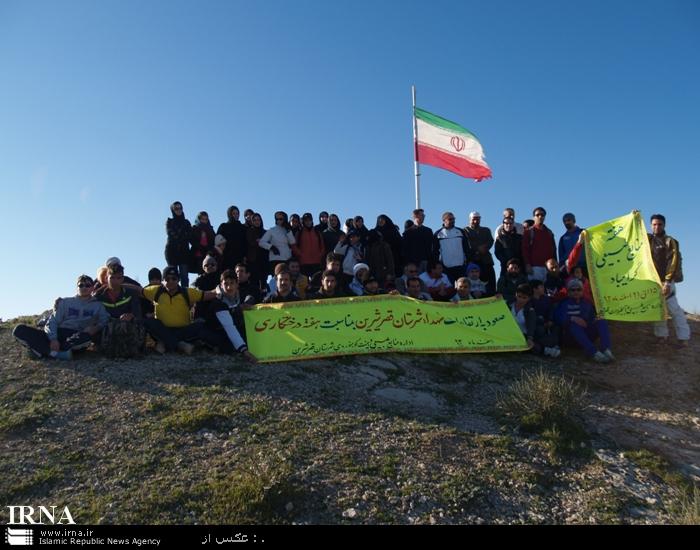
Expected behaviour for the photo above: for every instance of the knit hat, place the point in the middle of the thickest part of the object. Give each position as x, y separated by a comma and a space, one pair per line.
209, 260
113, 261
170, 271
474, 214
359, 266
473, 266
219, 239
574, 283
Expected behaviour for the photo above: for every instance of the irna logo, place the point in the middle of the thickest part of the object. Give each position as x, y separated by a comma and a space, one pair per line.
23, 515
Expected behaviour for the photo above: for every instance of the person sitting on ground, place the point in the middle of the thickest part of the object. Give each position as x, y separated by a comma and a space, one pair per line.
478, 287
154, 278
172, 327
102, 275
225, 318
554, 284
413, 290
372, 287
124, 335
208, 280
120, 302
71, 326
524, 314
547, 331
284, 291
579, 273
333, 263
576, 317
246, 288
409, 270
360, 275
463, 289
329, 287
437, 283
509, 282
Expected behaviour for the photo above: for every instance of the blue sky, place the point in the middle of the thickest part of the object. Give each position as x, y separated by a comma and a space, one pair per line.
109, 111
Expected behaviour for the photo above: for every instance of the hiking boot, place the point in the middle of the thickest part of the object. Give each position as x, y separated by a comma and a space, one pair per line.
185, 347
62, 355
600, 357
609, 354
160, 348
681, 344
556, 352
547, 352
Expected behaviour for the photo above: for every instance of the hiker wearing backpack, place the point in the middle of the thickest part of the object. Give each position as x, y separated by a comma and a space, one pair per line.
172, 327
668, 262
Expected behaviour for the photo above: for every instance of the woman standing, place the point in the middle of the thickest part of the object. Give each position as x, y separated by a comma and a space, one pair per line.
257, 257
332, 233
202, 241
278, 241
177, 247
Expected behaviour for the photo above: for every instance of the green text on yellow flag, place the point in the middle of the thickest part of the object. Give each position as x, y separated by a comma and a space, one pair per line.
624, 281
378, 324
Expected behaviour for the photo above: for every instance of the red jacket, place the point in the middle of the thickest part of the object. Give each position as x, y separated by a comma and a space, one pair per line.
310, 247
538, 246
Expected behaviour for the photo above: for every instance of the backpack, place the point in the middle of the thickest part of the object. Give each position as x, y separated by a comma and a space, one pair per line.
180, 290
123, 339
678, 273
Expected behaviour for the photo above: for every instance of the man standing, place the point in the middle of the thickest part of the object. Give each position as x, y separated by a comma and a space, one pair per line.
509, 213
418, 242
568, 240
480, 243
452, 246
538, 246
667, 260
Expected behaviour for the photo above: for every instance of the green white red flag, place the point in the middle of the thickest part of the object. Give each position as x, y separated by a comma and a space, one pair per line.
447, 145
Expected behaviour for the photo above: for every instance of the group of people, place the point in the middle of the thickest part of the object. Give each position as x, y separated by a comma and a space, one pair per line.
544, 284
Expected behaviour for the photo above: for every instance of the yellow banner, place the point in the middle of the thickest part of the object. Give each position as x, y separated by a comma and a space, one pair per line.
379, 324
624, 281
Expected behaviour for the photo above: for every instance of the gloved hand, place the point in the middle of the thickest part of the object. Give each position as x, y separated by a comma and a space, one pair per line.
275, 250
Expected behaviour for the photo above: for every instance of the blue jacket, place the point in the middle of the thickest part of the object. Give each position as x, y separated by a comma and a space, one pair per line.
566, 244
569, 308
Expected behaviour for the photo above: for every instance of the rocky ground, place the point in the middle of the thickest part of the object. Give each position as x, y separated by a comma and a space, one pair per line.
390, 438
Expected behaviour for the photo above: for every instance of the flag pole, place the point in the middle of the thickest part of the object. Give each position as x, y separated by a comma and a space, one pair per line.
416, 171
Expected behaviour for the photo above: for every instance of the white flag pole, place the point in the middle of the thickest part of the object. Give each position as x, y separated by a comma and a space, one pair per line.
416, 171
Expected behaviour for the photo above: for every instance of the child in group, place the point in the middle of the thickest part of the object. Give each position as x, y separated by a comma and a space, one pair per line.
478, 287
577, 273
547, 332
463, 289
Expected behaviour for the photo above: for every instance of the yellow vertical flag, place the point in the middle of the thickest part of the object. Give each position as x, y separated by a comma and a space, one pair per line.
624, 281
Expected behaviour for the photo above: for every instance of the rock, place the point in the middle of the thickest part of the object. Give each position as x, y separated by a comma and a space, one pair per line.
349, 513
413, 399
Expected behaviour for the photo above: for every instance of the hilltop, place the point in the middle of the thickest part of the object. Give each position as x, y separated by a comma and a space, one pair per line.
391, 438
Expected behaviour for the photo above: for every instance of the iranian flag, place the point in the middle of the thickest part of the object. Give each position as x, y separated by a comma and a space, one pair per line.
442, 143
